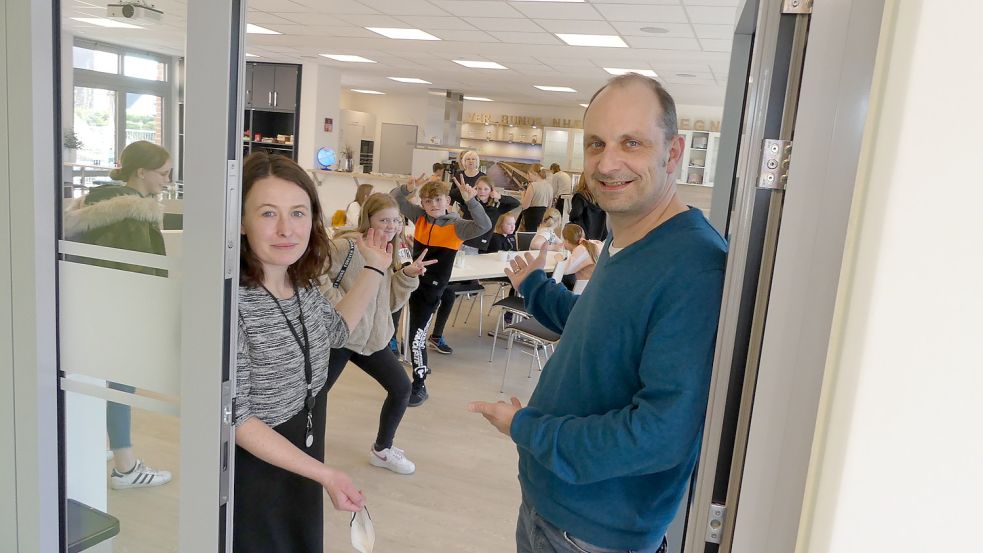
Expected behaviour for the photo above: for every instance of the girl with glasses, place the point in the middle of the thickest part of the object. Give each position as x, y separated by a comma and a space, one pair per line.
368, 343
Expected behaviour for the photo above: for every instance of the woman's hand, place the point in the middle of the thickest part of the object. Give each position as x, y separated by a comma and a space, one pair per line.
342, 491
375, 250
467, 191
419, 266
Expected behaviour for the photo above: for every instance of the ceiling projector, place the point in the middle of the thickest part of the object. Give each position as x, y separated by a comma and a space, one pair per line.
134, 11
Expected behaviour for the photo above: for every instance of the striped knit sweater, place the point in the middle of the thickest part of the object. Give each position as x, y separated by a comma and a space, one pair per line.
270, 383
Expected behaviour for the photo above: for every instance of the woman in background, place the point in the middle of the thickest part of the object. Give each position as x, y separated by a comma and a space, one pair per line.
537, 197
585, 212
127, 217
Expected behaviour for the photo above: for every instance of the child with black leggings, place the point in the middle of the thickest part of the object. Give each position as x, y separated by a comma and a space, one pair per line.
368, 342
437, 235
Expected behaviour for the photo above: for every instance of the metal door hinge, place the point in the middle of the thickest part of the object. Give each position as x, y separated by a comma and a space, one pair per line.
715, 522
774, 164
797, 6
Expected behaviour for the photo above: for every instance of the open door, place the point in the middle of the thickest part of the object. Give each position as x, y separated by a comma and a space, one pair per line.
756, 142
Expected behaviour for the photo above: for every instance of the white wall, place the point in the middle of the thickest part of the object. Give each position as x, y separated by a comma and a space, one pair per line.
898, 454
319, 98
389, 108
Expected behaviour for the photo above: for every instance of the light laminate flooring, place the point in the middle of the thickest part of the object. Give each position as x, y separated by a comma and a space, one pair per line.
463, 497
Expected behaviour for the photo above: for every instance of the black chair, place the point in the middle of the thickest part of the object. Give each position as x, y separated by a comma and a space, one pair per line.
523, 239
534, 334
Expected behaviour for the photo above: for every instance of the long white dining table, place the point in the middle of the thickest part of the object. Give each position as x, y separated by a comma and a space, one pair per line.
490, 265
471, 267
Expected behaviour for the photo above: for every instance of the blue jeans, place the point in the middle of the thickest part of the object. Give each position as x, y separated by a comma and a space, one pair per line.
534, 534
118, 419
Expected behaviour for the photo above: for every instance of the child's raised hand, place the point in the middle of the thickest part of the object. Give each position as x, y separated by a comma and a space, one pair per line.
467, 191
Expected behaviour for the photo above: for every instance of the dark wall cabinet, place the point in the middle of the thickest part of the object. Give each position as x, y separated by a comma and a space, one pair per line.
272, 86
272, 103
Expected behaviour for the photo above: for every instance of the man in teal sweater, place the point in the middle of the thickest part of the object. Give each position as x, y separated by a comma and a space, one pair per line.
612, 432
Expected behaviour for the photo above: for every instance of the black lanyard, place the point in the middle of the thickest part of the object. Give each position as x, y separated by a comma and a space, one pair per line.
305, 349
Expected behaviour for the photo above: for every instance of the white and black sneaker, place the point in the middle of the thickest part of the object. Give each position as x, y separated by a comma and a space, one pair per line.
391, 458
140, 476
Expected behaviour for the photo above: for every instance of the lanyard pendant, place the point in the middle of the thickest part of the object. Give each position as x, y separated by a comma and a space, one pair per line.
309, 440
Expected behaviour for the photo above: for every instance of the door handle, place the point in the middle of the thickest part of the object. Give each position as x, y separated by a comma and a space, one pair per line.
269, 98
274, 99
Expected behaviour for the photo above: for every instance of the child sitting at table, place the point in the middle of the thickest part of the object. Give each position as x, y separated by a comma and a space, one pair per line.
547, 232
504, 237
580, 257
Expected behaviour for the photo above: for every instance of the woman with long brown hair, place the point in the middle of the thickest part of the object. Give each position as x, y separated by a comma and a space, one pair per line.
585, 212
286, 331
368, 342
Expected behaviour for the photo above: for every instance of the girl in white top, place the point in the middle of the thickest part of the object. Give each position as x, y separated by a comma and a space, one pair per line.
546, 233
354, 209
581, 257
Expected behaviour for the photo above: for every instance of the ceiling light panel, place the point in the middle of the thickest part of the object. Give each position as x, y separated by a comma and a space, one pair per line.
347, 58
604, 41
554, 88
411, 80
364, 91
103, 22
478, 99
402, 34
257, 30
619, 71
479, 64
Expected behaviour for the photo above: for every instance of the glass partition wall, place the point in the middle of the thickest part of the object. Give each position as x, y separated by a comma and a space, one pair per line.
134, 376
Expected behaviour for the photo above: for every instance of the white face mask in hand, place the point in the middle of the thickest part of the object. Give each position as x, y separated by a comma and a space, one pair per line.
363, 533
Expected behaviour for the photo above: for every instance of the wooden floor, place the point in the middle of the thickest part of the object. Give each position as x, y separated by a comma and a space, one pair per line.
462, 498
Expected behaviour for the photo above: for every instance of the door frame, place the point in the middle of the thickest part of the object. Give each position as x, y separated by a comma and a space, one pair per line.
834, 93
30, 193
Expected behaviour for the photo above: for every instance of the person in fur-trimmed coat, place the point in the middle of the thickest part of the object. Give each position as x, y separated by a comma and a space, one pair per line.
127, 217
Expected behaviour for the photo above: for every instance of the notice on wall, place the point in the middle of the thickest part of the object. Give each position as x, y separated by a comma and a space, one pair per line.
328, 124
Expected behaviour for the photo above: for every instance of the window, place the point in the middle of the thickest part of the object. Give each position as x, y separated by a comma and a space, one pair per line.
95, 60
144, 68
121, 96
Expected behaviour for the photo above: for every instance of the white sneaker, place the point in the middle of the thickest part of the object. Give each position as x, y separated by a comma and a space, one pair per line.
391, 458
141, 476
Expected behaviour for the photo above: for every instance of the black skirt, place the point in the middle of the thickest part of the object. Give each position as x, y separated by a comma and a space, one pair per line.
277, 511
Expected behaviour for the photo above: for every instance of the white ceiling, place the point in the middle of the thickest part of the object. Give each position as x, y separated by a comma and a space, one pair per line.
691, 57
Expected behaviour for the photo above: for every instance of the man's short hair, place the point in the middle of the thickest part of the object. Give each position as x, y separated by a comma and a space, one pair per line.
438, 167
555, 167
434, 189
668, 120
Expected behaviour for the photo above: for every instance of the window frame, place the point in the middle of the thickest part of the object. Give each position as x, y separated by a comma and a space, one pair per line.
122, 85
